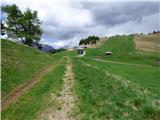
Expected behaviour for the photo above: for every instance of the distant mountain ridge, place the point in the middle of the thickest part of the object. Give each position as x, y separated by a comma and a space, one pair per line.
47, 48
42, 47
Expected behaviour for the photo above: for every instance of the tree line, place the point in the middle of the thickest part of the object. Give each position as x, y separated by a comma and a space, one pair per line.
154, 32
24, 26
89, 40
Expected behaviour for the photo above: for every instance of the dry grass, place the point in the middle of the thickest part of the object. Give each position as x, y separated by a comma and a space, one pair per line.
149, 43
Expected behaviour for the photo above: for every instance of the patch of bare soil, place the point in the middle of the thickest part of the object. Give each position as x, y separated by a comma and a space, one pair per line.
20, 90
66, 99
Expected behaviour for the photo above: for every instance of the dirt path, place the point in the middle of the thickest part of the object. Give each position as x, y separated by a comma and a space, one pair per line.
65, 100
115, 62
20, 90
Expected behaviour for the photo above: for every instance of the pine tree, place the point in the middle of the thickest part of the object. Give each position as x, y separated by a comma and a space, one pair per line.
22, 25
2, 28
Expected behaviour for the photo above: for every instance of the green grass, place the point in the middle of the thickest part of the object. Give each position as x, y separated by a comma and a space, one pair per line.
146, 76
123, 49
19, 63
105, 91
118, 91
37, 98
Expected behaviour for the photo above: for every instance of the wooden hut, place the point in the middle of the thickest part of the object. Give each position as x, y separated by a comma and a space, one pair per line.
108, 53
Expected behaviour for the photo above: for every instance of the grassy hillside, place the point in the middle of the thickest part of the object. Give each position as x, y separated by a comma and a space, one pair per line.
125, 85
38, 98
123, 49
113, 91
19, 63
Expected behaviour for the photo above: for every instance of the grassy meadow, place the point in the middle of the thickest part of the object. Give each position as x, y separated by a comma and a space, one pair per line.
38, 98
112, 91
20, 63
123, 86
123, 49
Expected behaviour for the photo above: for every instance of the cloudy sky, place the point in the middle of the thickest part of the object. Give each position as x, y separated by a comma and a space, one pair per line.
66, 22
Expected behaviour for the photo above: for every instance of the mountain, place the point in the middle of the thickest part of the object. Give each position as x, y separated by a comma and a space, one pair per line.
47, 48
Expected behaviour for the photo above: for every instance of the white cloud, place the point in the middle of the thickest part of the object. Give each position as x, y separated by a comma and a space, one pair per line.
62, 43
65, 22
148, 24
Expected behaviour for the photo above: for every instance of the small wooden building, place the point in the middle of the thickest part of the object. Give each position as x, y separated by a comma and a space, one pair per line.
108, 53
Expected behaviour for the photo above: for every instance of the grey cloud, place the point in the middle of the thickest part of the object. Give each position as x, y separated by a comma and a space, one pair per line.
68, 22
103, 14
61, 32
110, 14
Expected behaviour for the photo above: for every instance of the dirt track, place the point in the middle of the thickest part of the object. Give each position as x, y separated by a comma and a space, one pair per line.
20, 90
67, 98
115, 62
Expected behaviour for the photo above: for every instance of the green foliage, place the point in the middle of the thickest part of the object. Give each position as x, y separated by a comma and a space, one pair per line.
90, 40
36, 99
123, 49
22, 25
2, 28
113, 91
127, 87
110, 90
19, 63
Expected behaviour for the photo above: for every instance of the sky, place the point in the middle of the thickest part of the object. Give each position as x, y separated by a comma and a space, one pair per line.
65, 22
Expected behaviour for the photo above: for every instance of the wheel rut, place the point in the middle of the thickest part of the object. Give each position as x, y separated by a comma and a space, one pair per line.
20, 90
122, 63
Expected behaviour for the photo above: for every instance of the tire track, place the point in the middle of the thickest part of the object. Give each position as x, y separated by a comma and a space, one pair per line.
123, 63
20, 90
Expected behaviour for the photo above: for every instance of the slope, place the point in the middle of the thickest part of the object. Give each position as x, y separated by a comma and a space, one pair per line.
122, 86
149, 43
19, 64
29, 79
124, 50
